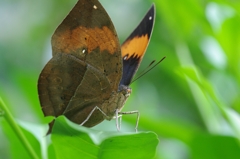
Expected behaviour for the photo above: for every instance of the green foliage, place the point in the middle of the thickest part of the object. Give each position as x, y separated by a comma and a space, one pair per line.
191, 100
69, 142
215, 147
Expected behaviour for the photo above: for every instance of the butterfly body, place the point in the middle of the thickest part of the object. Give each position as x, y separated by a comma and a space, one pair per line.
89, 69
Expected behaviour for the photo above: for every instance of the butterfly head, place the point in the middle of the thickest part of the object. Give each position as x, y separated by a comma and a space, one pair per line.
125, 90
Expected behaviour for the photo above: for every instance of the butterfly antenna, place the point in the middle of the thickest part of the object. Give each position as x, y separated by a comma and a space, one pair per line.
142, 72
145, 71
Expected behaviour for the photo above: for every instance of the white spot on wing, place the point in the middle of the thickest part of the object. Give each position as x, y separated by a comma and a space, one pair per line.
83, 51
94, 6
125, 57
150, 18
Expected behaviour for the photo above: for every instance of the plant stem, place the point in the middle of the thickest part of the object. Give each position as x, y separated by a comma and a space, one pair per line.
8, 116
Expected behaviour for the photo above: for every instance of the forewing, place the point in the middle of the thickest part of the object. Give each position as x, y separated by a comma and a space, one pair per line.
86, 29
134, 47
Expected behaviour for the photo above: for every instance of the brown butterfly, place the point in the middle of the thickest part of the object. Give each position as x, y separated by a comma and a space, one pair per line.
87, 79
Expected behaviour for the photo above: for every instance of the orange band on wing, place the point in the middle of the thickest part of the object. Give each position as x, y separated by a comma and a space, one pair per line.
135, 46
70, 41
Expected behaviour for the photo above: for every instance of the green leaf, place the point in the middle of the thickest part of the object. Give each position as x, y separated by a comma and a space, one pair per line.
22, 141
140, 145
17, 148
71, 141
206, 146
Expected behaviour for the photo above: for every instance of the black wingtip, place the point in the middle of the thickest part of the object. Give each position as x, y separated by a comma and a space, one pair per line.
145, 27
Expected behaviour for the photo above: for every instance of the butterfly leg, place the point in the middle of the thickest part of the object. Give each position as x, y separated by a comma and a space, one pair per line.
90, 114
125, 113
118, 119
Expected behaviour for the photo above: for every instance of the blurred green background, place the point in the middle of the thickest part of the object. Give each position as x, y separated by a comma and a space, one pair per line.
191, 100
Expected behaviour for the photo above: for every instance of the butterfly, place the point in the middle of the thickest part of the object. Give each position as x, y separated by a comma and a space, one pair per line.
88, 77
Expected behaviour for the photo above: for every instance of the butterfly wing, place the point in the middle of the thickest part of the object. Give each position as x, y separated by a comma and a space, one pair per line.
86, 65
134, 47
88, 28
